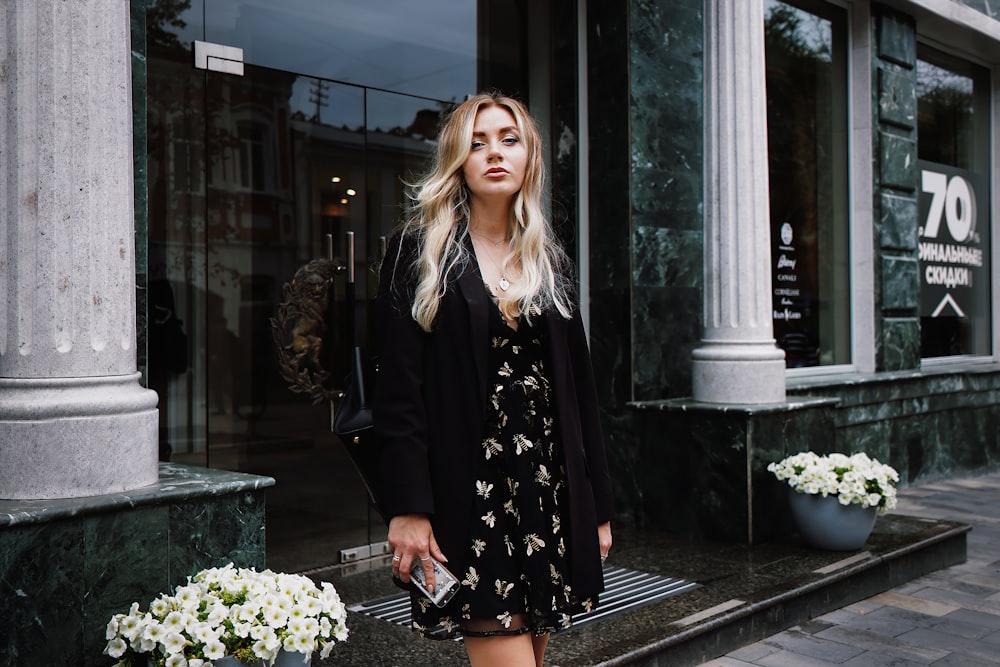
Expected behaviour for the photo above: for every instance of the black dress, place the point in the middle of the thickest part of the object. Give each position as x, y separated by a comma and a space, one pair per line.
517, 578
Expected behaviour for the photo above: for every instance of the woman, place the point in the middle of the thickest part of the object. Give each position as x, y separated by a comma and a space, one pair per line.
492, 458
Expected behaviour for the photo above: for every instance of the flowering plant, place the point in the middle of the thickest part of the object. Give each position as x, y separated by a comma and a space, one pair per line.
853, 479
226, 611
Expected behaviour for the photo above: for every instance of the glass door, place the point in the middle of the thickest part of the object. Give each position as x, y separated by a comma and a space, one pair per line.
249, 175
276, 167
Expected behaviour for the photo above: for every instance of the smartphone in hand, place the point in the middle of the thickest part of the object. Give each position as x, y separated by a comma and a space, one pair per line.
445, 583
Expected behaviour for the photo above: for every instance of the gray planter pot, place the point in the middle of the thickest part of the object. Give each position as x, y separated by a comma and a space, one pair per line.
824, 523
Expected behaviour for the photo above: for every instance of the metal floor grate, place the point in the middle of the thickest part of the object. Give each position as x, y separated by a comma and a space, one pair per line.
624, 590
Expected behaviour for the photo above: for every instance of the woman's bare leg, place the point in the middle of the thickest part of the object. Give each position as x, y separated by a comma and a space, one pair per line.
538, 644
502, 651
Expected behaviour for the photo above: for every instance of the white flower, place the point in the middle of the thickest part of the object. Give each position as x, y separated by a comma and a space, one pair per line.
174, 642
188, 597
154, 632
275, 616
111, 631
214, 650
300, 643
264, 650
856, 479
116, 647
174, 621
310, 626
251, 611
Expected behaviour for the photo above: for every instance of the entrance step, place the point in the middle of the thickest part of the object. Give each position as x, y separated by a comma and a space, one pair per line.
742, 594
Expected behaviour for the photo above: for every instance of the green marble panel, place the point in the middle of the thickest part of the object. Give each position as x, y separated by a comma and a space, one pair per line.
666, 328
897, 98
898, 222
703, 468
67, 565
897, 162
667, 257
900, 344
610, 227
125, 561
666, 189
41, 603
666, 93
897, 37
925, 424
900, 283
216, 532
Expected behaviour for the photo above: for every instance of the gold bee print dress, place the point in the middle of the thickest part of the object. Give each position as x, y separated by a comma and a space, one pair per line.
516, 578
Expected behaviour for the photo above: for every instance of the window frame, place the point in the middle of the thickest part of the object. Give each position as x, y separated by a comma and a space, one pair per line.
942, 38
859, 205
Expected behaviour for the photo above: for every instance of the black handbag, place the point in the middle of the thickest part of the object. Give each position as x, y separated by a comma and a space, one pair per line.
352, 418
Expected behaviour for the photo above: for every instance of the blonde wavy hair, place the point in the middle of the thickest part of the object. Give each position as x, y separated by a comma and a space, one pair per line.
439, 216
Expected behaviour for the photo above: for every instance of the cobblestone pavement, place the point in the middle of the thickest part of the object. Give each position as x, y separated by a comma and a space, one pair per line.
949, 617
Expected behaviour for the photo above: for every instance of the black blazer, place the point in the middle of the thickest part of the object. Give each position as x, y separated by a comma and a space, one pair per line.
430, 414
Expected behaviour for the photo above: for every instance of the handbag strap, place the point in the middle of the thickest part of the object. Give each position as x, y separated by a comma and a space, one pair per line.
359, 377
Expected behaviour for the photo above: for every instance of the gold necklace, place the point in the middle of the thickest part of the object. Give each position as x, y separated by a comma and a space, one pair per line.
496, 244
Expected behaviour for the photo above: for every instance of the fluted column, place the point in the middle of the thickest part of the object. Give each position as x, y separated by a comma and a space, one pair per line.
74, 420
737, 360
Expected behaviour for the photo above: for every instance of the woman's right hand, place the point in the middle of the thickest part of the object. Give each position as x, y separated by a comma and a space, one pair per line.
412, 543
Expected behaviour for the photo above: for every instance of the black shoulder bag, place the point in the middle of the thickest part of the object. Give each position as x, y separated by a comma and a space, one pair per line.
352, 418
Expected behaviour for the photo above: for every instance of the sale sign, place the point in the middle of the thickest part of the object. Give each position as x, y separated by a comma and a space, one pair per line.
954, 277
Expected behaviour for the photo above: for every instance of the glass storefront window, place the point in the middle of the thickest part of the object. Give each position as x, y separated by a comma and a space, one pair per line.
953, 140
806, 55
248, 175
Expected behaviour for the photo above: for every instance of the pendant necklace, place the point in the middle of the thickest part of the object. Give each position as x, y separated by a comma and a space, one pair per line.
503, 283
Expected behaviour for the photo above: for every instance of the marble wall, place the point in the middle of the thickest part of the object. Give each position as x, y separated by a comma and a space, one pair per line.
897, 279
704, 466
666, 193
68, 565
645, 111
699, 469
927, 424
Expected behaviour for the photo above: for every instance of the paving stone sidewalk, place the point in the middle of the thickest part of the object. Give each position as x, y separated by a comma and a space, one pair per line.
949, 617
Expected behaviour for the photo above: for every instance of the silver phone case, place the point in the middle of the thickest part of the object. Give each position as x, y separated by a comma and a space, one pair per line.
445, 583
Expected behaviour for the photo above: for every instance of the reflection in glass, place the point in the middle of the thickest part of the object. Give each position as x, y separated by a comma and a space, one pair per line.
953, 139
807, 161
247, 178
425, 48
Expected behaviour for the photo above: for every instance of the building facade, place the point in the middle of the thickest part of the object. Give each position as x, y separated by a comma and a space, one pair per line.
304, 121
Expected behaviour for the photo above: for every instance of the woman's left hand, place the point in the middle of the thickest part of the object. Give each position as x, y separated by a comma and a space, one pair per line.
604, 538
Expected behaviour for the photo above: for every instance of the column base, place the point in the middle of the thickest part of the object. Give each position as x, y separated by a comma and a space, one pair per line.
738, 373
76, 437
73, 563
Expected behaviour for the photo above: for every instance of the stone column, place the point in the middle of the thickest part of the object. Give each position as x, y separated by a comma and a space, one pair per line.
74, 420
737, 361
